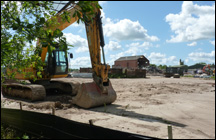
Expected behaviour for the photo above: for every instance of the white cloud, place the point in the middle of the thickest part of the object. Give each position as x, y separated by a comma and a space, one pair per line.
101, 3
80, 62
186, 61
76, 25
213, 42
192, 44
132, 51
158, 58
79, 43
198, 50
127, 30
202, 57
104, 19
145, 45
113, 46
157, 46
193, 23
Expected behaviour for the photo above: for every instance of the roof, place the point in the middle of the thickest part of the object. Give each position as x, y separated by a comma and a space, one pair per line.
131, 57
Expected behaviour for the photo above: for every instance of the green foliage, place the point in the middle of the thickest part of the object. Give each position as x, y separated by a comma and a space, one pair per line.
73, 70
162, 67
8, 132
202, 63
188, 76
153, 65
24, 22
87, 10
117, 75
25, 136
21, 24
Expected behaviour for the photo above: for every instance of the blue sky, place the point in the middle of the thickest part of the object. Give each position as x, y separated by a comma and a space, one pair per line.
164, 32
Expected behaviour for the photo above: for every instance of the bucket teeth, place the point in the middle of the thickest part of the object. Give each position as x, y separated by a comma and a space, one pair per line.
90, 95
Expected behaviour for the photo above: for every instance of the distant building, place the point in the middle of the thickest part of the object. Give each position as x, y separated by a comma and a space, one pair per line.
131, 62
180, 69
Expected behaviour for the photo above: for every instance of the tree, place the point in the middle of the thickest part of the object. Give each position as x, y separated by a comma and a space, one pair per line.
153, 65
201, 63
162, 67
24, 22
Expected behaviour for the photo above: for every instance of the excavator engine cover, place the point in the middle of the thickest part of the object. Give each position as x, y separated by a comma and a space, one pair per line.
90, 95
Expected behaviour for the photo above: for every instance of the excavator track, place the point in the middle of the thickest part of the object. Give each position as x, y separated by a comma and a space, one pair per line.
31, 92
64, 87
39, 90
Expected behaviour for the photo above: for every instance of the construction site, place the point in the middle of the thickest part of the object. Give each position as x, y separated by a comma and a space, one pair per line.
144, 106
130, 99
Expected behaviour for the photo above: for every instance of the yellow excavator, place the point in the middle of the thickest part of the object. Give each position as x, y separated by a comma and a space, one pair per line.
86, 95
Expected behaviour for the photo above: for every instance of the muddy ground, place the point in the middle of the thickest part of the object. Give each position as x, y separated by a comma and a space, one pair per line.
144, 106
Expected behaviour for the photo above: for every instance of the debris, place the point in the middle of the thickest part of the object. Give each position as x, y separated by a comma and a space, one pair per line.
58, 105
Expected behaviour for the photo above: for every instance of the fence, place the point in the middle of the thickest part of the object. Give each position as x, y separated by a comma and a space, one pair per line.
54, 127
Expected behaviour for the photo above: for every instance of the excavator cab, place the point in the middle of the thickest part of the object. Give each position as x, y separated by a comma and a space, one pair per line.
56, 62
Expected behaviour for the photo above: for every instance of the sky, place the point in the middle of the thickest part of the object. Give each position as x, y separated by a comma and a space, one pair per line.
163, 31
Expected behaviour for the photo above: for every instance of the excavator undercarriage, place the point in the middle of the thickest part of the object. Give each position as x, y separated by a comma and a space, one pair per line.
38, 90
85, 95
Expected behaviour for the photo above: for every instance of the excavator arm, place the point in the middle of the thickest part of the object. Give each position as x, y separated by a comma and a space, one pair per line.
95, 38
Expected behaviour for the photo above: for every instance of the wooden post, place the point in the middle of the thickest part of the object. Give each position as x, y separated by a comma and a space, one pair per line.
20, 105
91, 122
170, 135
53, 110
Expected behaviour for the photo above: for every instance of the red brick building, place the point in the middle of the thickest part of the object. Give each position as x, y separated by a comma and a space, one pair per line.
131, 62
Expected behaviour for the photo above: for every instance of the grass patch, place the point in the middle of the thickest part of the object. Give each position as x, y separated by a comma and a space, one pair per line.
188, 76
8, 132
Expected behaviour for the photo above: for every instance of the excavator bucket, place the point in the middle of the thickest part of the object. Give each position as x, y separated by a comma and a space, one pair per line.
90, 95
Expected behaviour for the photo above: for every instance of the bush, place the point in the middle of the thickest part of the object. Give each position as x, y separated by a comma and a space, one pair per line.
8, 132
117, 76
